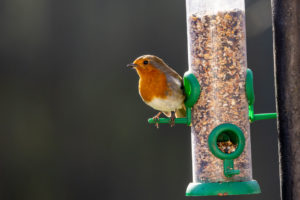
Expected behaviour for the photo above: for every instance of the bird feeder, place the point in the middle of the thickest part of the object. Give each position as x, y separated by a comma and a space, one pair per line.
221, 111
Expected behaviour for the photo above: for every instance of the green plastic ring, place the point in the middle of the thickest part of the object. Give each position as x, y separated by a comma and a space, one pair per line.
192, 89
234, 131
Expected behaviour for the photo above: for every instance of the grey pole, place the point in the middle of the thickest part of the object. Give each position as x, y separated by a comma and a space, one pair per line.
286, 37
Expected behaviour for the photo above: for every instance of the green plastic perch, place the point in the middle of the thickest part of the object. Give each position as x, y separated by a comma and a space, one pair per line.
187, 120
263, 116
251, 98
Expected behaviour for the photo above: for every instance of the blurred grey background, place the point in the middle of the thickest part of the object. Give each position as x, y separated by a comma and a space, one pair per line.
72, 123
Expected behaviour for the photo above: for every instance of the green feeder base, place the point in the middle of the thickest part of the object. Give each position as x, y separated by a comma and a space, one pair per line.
223, 188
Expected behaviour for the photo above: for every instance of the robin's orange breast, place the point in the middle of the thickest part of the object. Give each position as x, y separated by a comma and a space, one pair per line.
153, 84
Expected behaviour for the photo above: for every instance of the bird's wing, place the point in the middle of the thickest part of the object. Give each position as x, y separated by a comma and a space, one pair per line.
172, 72
165, 68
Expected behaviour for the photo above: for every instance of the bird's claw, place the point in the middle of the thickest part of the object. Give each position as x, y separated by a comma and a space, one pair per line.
172, 122
172, 119
156, 119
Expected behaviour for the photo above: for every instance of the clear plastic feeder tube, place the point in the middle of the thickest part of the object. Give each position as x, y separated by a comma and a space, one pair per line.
217, 57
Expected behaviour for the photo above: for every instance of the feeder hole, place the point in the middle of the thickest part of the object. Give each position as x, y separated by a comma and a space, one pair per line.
227, 142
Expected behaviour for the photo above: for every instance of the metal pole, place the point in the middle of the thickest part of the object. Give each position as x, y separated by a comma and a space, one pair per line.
286, 35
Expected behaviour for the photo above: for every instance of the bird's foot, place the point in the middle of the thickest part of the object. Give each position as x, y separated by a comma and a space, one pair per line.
156, 119
172, 119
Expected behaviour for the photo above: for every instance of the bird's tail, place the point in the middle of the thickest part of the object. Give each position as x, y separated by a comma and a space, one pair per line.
181, 112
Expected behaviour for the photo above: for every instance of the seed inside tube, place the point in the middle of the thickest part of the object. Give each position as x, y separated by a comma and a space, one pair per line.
218, 59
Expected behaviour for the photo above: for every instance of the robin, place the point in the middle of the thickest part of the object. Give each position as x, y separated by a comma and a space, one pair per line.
160, 87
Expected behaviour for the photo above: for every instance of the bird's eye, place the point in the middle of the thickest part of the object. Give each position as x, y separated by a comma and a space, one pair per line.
145, 62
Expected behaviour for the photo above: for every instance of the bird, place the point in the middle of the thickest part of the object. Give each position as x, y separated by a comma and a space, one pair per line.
160, 87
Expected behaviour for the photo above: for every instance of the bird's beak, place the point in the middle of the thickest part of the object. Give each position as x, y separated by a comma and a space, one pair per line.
132, 65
